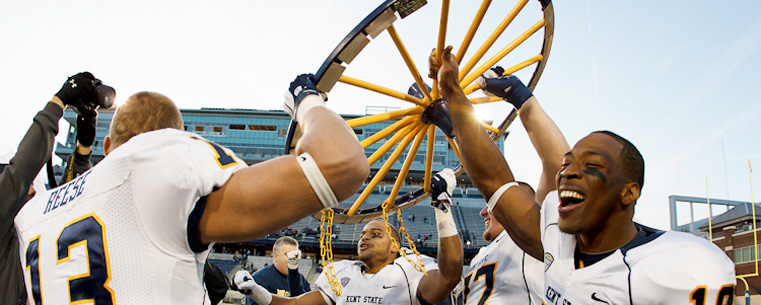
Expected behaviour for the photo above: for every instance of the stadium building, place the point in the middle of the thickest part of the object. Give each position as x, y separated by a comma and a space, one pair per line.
259, 135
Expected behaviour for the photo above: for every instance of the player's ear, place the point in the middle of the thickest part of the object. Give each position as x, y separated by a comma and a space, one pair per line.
630, 193
395, 250
107, 145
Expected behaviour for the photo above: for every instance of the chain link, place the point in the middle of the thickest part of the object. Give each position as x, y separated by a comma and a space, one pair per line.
326, 249
419, 265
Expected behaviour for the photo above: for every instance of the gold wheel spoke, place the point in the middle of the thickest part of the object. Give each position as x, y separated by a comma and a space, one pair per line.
429, 158
419, 135
386, 132
472, 30
492, 38
443, 20
524, 64
385, 168
389, 134
367, 120
487, 127
391, 142
382, 90
502, 53
473, 87
408, 60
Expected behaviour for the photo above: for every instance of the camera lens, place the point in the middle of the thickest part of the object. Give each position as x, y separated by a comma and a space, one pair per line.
105, 96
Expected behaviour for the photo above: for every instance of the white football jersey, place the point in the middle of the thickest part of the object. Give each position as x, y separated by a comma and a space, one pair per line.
127, 230
656, 267
501, 273
395, 284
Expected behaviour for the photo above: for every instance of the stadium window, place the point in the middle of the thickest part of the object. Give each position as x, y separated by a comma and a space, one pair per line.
237, 127
217, 131
199, 129
186, 127
358, 131
281, 133
262, 127
744, 254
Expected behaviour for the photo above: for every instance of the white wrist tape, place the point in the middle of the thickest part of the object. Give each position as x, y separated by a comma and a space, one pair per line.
317, 181
501, 190
309, 102
445, 223
260, 295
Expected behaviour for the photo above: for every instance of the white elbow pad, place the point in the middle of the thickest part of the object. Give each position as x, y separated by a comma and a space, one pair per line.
317, 181
501, 190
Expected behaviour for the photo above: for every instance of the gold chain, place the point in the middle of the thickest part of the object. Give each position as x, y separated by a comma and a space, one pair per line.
326, 249
419, 265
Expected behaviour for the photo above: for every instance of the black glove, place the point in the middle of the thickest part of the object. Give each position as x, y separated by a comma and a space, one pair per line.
86, 127
508, 87
302, 86
442, 187
78, 89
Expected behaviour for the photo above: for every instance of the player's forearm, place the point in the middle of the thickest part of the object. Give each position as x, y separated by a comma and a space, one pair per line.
487, 168
335, 148
482, 159
449, 258
435, 287
548, 140
520, 216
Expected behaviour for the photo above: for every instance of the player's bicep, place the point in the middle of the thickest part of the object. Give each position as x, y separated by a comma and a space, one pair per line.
258, 200
520, 215
546, 185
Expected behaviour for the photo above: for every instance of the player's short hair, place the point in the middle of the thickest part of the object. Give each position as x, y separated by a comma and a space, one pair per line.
284, 240
631, 159
143, 112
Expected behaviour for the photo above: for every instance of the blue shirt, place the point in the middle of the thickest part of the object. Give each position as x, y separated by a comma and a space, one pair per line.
277, 283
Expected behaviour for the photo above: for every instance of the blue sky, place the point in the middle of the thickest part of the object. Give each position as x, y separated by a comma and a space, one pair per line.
677, 78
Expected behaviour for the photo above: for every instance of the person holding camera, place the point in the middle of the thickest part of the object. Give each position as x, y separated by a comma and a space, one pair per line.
78, 92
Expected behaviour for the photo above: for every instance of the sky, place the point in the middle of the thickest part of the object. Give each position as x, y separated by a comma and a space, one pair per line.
679, 79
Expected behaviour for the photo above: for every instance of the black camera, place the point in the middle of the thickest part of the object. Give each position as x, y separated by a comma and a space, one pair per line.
104, 95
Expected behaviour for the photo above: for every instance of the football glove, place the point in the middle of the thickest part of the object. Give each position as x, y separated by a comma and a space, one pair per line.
244, 283
442, 186
299, 89
508, 87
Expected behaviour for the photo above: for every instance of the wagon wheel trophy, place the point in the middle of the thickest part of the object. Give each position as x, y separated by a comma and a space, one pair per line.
409, 125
